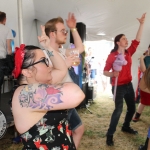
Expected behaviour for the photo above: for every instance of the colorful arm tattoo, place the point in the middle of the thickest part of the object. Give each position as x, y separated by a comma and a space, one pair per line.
41, 96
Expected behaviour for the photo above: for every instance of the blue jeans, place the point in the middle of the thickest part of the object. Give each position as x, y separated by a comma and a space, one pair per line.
148, 133
74, 119
126, 92
93, 73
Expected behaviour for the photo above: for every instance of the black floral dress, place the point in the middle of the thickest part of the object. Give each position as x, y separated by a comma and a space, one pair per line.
50, 133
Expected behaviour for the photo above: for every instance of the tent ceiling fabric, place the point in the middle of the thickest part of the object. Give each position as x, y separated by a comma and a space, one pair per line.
111, 17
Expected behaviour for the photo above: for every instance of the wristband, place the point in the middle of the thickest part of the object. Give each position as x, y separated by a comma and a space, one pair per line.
73, 29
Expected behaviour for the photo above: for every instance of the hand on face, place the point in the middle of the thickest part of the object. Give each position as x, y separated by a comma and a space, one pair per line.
44, 39
71, 21
142, 19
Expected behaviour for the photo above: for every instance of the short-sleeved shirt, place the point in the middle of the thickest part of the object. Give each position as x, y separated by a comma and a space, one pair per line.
125, 74
5, 33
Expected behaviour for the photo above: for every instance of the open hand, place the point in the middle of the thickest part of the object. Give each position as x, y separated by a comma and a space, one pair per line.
71, 21
142, 19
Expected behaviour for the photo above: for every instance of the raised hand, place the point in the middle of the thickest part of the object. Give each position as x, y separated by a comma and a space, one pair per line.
71, 21
44, 39
142, 19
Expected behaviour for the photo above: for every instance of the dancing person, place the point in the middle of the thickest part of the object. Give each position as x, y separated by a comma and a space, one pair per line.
56, 31
145, 96
124, 86
143, 69
40, 108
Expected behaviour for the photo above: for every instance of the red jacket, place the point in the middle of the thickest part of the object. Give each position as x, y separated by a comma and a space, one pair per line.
125, 74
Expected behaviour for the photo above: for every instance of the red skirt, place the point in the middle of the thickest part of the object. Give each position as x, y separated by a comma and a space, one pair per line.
145, 98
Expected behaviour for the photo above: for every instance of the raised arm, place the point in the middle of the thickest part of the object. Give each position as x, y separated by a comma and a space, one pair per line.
40, 97
71, 23
142, 64
140, 30
59, 66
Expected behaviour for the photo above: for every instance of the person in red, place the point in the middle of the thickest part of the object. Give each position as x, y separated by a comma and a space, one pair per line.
124, 86
145, 96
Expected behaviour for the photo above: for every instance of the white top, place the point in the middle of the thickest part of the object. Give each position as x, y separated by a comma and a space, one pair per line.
62, 52
5, 33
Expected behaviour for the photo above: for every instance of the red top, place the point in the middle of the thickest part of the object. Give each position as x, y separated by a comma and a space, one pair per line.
125, 74
145, 98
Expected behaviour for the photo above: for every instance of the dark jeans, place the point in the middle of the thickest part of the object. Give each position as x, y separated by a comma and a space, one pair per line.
126, 92
6, 67
1, 72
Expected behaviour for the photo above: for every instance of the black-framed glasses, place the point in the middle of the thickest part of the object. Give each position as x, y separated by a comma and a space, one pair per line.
44, 60
65, 32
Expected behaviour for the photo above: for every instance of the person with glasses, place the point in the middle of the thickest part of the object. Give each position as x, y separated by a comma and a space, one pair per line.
40, 108
56, 31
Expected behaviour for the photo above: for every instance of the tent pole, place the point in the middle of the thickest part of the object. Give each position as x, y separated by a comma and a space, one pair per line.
20, 21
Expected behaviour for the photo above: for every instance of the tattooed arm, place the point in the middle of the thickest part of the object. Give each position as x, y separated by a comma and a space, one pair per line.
39, 97
59, 66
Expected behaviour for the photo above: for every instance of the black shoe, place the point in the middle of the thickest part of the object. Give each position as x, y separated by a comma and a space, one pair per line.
142, 147
136, 117
109, 140
129, 130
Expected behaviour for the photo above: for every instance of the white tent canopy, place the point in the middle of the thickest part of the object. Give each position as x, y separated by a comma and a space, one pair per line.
111, 17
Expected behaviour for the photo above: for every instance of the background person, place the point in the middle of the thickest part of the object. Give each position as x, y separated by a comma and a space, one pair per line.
140, 107
124, 86
5, 45
56, 31
145, 96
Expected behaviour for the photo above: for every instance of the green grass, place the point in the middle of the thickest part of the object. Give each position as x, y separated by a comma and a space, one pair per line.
97, 123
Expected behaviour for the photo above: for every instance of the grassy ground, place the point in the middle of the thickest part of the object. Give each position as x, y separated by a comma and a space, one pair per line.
96, 125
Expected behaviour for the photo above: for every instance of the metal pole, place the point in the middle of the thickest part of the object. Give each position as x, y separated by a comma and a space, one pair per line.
36, 24
20, 21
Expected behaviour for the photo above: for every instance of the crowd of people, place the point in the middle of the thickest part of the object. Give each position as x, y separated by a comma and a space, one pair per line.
44, 101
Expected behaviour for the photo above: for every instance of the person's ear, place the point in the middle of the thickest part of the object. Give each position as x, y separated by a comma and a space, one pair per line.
4, 21
27, 73
118, 43
52, 34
